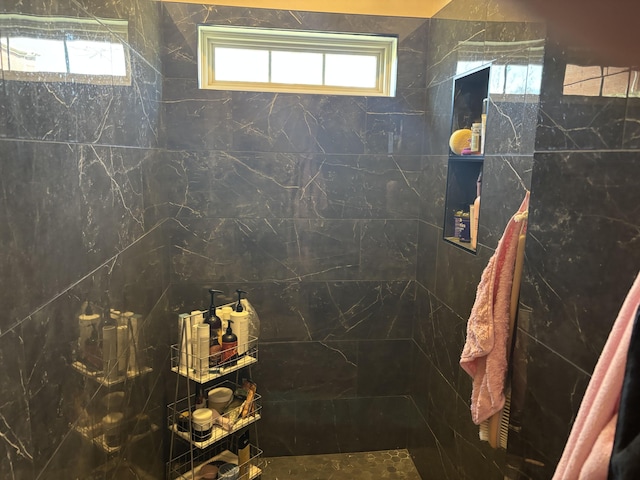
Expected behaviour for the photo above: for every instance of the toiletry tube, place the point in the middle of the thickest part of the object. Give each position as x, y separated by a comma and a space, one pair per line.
240, 322
134, 342
202, 335
184, 335
194, 358
483, 131
122, 336
109, 352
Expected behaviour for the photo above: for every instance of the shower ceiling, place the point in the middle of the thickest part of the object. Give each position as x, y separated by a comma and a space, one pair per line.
397, 8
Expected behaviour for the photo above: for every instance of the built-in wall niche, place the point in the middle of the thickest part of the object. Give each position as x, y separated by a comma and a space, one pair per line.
464, 179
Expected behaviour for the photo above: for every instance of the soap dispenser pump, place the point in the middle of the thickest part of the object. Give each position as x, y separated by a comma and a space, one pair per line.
230, 346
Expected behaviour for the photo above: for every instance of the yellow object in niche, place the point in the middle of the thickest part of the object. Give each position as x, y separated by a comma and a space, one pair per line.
460, 139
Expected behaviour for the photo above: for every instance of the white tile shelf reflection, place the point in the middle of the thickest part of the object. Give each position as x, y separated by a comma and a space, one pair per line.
99, 377
91, 433
226, 456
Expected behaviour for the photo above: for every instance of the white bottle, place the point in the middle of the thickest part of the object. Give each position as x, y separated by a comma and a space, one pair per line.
474, 210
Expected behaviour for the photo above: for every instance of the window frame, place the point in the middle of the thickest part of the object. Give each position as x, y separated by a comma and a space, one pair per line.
383, 46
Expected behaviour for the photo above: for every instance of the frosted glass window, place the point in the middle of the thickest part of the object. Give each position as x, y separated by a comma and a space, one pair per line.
64, 49
301, 61
351, 70
241, 65
496, 80
534, 79
91, 57
296, 67
29, 54
516, 79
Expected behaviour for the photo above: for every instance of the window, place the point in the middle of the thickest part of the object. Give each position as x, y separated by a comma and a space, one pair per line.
50, 49
272, 60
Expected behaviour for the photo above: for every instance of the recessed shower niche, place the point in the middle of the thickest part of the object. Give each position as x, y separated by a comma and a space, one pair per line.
466, 158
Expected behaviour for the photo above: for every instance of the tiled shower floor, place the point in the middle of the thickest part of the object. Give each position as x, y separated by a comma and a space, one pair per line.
386, 464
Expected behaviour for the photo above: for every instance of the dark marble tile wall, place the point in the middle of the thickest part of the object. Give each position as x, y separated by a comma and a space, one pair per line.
79, 223
463, 36
296, 199
581, 255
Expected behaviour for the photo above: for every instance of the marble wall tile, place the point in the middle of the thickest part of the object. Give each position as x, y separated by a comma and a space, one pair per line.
363, 186
16, 446
568, 289
505, 179
428, 241
318, 311
293, 123
395, 125
372, 423
570, 121
552, 397
288, 185
384, 367
195, 119
266, 249
84, 203
440, 333
62, 399
432, 187
307, 370
453, 41
388, 249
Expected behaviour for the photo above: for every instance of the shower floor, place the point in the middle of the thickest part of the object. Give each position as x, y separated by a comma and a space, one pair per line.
385, 464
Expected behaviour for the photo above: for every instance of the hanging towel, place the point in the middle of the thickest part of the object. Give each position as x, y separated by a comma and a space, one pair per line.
625, 456
484, 355
588, 449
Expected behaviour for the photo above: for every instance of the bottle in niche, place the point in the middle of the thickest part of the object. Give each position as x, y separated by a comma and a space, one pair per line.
483, 130
475, 213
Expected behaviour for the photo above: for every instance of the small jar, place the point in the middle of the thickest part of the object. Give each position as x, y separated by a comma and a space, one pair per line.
113, 432
202, 423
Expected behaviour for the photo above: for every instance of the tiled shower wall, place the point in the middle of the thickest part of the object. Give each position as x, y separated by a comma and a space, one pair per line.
78, 224
465, 35
298, 200
581, 253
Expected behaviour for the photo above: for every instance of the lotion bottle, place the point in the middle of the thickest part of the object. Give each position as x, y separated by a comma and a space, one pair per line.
240, 318
475, 214
229, 347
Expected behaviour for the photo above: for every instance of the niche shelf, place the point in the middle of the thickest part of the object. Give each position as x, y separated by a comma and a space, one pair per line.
469, 91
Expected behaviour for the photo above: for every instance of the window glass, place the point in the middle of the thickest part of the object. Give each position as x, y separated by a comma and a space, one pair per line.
296, 67
351, 70
241, 65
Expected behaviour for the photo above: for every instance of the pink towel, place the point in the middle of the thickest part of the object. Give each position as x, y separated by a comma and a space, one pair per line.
484, 356
588, 450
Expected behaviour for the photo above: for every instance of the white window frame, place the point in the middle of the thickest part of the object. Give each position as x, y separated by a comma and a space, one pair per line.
212, 36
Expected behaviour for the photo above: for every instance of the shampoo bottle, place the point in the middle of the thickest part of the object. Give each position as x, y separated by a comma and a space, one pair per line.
240, 318
244, 454
229, 346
